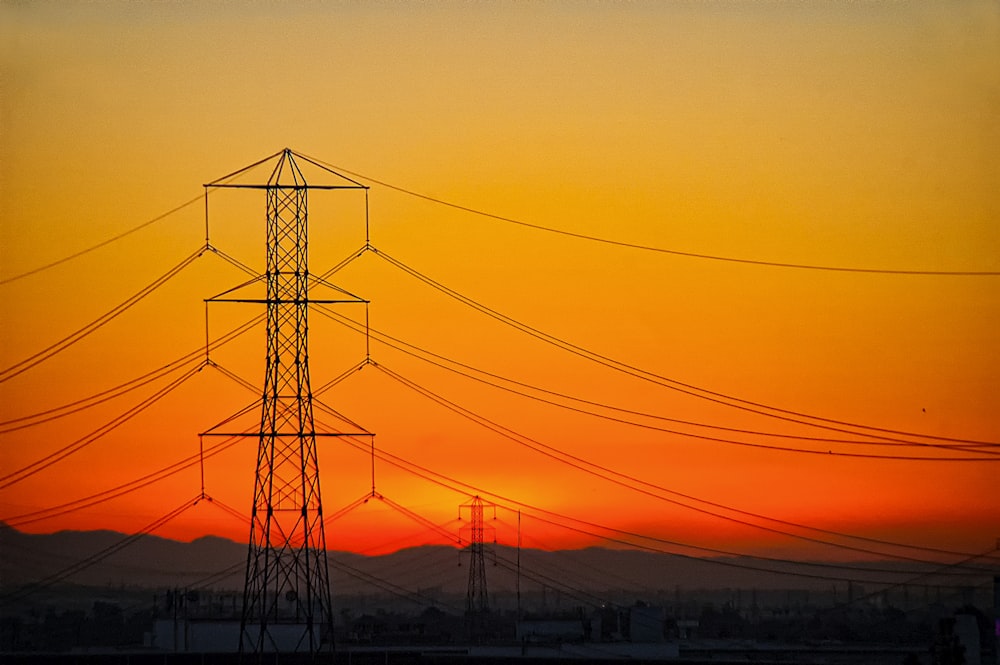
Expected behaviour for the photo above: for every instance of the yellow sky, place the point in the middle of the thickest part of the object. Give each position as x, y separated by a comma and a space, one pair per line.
838, 134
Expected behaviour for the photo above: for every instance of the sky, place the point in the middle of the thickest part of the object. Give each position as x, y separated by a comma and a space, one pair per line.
833, 134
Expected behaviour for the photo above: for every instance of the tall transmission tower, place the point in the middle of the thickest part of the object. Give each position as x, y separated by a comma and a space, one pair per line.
477, 598
286, 600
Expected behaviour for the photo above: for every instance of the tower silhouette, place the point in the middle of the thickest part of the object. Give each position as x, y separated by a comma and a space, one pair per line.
477, 599
286, 600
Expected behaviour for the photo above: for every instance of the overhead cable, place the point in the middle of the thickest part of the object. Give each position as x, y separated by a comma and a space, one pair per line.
79, 566
614, 477
666, 382
464, 488
121, 490
663, 250
96, 324
447, 364
43, 463
54, 413
348, 322
103, 243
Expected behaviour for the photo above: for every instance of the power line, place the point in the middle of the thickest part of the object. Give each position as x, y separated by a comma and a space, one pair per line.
851, 568
772, 519
348, 323
97, 557
55, 413
913, 580
609, 475
103, 243
451, 365
413, 596
43, 463
218, 576
552, 582
139, 227
666, 382
724, 562
603, 573
663, 250
995, 457
96, 324
558, 520
464, 488
233, 261
351, 571
85, 403
123, 489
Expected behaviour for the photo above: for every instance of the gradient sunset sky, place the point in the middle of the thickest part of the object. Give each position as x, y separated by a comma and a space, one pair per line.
834, 134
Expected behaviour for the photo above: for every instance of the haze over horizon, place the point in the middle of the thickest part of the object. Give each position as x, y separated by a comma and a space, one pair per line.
858, 141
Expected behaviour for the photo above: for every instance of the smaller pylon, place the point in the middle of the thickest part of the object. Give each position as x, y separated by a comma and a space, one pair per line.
477, 599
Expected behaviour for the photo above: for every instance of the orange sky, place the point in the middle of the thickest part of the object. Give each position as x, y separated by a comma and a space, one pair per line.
836, 134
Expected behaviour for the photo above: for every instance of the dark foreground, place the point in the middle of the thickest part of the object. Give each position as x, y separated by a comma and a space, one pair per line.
773, 655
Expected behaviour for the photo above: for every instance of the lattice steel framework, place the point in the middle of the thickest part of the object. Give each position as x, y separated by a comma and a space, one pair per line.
286, 601
477, 598
286, 576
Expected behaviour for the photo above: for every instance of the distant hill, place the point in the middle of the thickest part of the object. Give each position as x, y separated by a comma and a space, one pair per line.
570, 576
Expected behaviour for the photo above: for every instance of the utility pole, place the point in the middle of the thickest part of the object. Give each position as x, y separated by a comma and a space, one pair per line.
287, 604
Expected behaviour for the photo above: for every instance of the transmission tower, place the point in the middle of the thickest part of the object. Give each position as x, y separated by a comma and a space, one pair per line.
477, 600
286, 600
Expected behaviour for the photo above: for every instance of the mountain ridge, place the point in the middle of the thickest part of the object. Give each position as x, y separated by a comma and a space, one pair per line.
156, 562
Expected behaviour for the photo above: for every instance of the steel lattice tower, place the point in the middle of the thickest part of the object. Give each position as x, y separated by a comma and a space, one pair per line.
477, 600
286, 600
286, 575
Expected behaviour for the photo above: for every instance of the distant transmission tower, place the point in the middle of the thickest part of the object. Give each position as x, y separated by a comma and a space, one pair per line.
477, 598
286, 600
